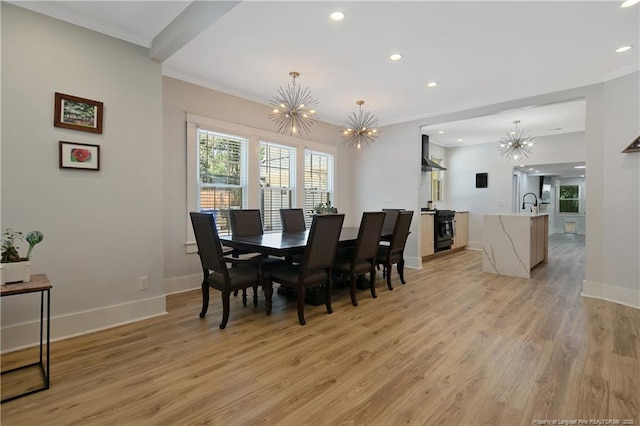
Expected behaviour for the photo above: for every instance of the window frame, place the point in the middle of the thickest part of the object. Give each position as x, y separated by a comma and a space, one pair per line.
253, 136
330, 181
579, 199
244, 166
291, 187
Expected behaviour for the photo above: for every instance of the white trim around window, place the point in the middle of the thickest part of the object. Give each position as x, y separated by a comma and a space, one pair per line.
253, 136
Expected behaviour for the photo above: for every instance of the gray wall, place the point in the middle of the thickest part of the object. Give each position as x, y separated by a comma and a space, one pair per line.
102, 230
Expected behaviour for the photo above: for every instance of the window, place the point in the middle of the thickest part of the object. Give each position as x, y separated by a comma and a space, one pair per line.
233, 166
276, 182
221, 175
436, 181
318, 182
569, 199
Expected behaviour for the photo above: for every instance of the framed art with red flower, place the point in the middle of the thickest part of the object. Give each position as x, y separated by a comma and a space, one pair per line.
72, 112
79, 156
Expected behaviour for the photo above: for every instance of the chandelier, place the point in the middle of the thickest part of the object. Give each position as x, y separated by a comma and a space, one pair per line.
516, 143
293, 108
361, 128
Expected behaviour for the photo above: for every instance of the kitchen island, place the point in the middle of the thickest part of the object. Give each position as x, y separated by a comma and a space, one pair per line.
513, 243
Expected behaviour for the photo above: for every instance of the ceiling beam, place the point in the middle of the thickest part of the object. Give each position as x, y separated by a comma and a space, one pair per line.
194, 19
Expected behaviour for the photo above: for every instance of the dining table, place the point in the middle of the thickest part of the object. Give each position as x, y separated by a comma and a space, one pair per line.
284, 243
287, 243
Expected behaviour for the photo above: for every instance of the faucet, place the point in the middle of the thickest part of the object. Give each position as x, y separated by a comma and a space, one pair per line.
535, 202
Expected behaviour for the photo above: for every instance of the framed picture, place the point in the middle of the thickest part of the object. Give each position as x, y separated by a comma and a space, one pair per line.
79, 156
76, 113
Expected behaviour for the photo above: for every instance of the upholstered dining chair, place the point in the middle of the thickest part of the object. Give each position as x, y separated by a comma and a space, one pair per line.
317, 262
364, 255
390, 219
248, 223
394, 252
292, 220
215, 272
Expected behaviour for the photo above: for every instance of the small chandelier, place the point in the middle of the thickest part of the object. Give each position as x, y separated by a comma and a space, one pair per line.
361, 128
516, 143
293, 109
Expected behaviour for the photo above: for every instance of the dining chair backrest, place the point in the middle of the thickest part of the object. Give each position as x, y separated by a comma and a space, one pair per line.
292, 220
209, 248
322, 243
245, 222
390, 219
369, 235
401, 231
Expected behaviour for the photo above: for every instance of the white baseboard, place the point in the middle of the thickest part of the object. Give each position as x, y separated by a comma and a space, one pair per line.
182, 284
611, 293
413, 262
25, 335
475, 245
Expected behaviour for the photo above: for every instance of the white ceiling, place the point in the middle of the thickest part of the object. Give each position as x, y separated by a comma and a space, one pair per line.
545, 120
480, 52
558, 170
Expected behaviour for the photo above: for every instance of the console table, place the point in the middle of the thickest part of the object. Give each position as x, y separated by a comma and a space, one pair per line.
38, 283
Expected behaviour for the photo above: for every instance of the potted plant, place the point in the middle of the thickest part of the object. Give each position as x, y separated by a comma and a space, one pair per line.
325, 208
15, 268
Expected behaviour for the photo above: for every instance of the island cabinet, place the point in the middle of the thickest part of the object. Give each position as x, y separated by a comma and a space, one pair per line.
539, 240
427, 247
514, 243
461, 236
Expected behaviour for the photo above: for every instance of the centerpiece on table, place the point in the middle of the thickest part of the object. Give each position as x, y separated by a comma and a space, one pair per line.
325, 208
13, 267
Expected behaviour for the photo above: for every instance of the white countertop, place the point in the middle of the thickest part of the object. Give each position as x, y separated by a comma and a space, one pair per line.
434, 212
523, 214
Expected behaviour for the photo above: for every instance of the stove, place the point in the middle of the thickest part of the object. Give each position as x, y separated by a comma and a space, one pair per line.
444, 229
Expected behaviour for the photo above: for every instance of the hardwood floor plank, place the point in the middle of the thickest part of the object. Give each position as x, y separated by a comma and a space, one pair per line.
454, 346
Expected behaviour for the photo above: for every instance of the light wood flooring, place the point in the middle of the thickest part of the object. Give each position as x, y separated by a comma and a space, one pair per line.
454, 346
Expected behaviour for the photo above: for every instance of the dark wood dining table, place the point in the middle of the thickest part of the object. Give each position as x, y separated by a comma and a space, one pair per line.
285, 243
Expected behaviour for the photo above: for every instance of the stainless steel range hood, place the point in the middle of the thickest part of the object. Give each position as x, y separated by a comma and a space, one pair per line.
427, 164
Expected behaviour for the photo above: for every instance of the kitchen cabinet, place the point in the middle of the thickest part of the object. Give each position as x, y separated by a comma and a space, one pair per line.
426, 237
539, 233
461, 237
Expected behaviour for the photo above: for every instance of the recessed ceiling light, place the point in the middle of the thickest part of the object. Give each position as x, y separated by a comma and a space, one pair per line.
623, 49
522, 165
441, 131
530, 168
337, 16
537, 171
629, 3
432, 84
581, 175
396, 57
580, 167
460, 140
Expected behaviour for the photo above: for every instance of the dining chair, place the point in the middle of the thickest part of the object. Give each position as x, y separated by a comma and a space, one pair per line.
248, 223
317, 263
394, 252
390, 219
364, 255
292, 220
243, 275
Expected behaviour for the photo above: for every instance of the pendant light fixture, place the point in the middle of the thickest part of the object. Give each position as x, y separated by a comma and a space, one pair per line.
293, 109
361, 128
517, 143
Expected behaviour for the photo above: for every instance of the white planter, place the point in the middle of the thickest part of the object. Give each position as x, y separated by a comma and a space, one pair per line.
15, 272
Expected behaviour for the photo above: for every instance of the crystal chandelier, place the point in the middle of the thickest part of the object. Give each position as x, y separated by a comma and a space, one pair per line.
516, 143
293, 109
361, 128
